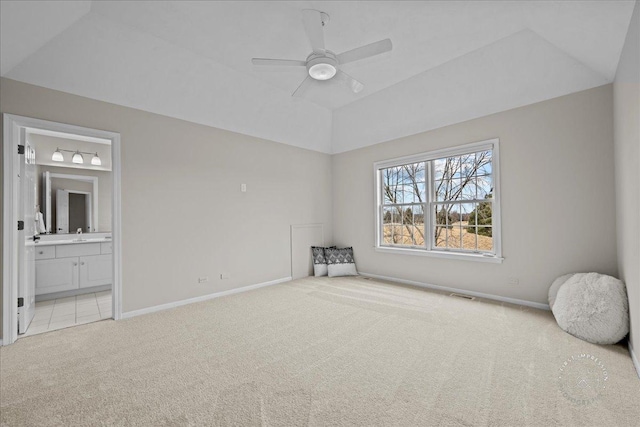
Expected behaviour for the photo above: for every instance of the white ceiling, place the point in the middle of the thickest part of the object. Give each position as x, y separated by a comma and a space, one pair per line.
451, 61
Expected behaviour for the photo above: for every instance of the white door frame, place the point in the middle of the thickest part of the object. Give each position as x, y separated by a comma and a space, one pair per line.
12, 125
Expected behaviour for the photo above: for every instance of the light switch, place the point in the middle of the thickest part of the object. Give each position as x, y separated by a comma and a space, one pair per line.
243, 188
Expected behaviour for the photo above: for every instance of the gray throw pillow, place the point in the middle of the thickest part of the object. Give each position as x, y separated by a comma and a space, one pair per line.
319, 260
340, 262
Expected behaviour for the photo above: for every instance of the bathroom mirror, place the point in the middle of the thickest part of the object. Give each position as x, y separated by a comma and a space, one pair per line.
75, 205
73, 212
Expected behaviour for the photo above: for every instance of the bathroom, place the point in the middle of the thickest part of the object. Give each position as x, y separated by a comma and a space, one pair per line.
72, 266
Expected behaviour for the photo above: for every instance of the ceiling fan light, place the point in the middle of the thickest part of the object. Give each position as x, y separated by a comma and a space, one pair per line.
322, 71
77, 158
57, 156
95, 160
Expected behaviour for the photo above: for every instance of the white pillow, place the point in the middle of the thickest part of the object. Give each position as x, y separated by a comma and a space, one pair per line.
319, 260
340, 262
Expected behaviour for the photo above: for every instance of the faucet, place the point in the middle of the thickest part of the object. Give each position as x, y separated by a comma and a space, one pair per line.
79, 231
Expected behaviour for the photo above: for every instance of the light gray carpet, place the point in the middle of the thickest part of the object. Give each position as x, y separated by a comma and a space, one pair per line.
316, 351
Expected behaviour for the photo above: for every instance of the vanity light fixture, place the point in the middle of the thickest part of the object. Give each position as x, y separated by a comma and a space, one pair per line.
57, 156
95, 160
77, 157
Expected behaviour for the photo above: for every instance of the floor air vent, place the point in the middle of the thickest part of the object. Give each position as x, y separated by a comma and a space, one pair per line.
462, 296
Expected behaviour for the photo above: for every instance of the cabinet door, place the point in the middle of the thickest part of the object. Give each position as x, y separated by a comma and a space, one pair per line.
95, 270
55, 275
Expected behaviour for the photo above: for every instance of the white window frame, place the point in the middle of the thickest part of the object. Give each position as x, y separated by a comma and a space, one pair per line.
428, 249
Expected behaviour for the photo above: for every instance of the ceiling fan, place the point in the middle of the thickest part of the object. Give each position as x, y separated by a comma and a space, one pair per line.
322, 64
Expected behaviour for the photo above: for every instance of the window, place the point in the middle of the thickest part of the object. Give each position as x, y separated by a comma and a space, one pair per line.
442, 203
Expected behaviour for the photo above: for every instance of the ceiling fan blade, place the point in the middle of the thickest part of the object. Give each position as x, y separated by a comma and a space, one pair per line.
353, 84
278, 62
312, 20
303, 86
365, 51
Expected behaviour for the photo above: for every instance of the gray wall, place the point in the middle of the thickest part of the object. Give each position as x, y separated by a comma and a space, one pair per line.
626, 94
558, 205
183, 215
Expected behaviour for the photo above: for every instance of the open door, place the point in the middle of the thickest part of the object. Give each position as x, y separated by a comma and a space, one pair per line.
27, 237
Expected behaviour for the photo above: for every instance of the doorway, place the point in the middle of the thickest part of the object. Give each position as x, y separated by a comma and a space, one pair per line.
61, 255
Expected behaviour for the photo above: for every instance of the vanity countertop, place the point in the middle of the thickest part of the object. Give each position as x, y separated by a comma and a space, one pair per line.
72, 242
52, 239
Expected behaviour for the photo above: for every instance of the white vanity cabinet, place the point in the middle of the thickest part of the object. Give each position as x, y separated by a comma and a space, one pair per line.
56, 275
95, 271
66, 267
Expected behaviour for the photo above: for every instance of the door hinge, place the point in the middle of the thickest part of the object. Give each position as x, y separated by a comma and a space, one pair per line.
20, 149
20, 225
20, 302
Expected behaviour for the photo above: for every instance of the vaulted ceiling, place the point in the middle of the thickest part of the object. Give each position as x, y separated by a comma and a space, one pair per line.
451, 61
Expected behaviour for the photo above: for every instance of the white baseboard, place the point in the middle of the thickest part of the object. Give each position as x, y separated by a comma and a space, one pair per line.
461, 291
634, 358
201, 298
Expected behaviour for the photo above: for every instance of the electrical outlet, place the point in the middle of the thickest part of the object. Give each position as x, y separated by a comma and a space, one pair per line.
513, 281
224, 276
203, 279
243, 188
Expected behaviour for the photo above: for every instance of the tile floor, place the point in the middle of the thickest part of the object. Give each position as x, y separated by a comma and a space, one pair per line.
71, 311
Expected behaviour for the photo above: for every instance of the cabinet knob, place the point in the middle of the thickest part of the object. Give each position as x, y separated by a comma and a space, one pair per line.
41, 252
82, 263
75, 263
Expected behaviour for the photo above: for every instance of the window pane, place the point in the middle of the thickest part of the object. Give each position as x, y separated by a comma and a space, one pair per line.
387, 227
455, 224
418, 223
404, 175
396, 225
470, 239
408, 226
452, 167
468, 189
485, 186
420, 172
422, 195
456, 189
440, 214
440, 237
409, 194
485, 241
483, 161
484, 213
468, 165
387, 195
390, 185
438, 168
443, 190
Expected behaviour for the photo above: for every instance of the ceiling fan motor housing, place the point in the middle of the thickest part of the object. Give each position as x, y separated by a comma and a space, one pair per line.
322, 66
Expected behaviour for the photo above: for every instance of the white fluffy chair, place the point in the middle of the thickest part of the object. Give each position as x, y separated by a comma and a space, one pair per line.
591, 306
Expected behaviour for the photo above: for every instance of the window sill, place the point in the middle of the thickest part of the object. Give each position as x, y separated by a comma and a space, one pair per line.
441, 254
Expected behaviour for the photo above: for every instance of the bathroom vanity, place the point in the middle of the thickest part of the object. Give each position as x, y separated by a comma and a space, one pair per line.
73, 262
